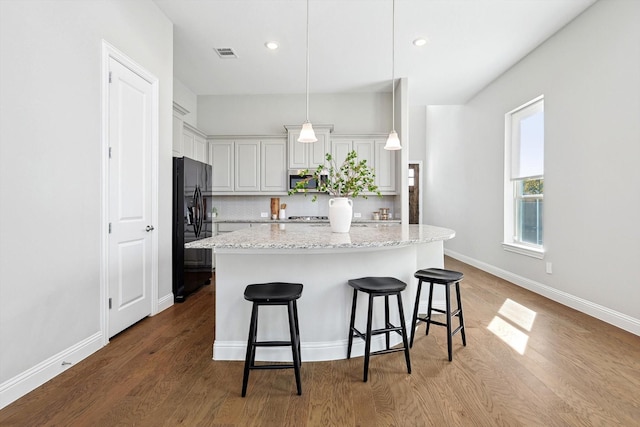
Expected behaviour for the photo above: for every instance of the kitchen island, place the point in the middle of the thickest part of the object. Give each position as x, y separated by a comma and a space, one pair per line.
323, 262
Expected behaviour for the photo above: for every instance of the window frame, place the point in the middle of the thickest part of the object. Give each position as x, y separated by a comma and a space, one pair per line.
511, 242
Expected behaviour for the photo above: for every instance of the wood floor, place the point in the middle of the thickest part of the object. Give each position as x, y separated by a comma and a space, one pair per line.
573, 371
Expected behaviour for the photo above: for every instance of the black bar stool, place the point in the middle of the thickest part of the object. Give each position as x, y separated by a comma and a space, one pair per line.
276, 293
439, 276
375, 287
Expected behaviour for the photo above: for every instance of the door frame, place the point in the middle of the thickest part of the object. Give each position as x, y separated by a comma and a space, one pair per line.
420, 186
110, 52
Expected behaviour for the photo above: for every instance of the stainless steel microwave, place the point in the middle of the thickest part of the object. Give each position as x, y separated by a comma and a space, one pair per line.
312, 185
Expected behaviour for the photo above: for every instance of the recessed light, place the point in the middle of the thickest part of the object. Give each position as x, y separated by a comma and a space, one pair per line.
271, 45
420, 42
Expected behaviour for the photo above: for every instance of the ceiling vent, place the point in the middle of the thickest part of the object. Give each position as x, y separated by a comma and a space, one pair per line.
225, 52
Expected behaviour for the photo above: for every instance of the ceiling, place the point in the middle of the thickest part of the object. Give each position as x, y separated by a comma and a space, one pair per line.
470, 43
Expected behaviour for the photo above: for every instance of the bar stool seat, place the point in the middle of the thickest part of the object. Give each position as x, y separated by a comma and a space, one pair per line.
275, 293
448, 278
375, 287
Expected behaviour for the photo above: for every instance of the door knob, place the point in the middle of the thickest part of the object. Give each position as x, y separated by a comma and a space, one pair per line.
149, 227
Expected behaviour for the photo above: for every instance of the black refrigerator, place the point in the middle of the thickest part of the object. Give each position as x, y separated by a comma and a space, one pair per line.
191, 198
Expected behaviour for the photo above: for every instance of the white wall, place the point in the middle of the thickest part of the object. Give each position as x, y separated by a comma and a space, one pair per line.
267, 114
589, 73
50, 167
417, 131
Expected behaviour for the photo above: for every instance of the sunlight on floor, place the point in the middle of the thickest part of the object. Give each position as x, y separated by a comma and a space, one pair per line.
507, 325
518, 314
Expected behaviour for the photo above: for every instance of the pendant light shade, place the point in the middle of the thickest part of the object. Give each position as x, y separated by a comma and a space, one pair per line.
393, 142
307, 135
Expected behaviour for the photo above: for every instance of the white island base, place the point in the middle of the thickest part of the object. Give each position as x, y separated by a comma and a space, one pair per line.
325, 306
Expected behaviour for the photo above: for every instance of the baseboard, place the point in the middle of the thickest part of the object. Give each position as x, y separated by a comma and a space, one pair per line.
310, 351
18, 386
165, 302
605, 314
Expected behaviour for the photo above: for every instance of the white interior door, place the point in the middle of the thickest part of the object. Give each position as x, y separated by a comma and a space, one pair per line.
130, 269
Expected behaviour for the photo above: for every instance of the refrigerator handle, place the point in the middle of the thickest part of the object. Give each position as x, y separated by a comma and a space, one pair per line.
194, 211
203, 214
199, 211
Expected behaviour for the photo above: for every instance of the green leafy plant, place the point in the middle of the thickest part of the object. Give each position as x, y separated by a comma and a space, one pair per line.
352, 178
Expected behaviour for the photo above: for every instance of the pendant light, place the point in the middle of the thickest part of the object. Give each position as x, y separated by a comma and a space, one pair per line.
307, 134
393, 142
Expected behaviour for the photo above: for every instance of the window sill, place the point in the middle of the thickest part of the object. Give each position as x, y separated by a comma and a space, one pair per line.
524, 250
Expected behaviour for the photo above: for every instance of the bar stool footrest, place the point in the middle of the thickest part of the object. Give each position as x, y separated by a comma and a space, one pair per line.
357, 333
456, 330
395, 329
273, 344
272, 367
434, 322
386, 351
421, 319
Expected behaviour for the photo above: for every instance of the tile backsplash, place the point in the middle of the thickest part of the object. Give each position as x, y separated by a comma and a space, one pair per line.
250, 207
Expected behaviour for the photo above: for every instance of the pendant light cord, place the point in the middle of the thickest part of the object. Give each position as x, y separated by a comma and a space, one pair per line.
307, 61
393, 67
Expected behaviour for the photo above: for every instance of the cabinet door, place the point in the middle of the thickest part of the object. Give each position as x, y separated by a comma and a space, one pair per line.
318, 150
188, 140
366, 151
308, 155
222, 161
340, 148
177, 136
385, 165
297, 151
273, 166
199, 148
247, 168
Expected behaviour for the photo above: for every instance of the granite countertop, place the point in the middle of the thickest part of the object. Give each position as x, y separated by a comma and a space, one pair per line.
298, 221
319, 236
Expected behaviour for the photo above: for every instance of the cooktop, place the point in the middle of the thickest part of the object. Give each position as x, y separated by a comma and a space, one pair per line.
308, 218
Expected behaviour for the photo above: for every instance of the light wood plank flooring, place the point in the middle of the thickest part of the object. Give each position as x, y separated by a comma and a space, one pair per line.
559, 368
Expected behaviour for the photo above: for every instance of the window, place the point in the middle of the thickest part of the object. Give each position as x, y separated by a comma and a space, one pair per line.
524, 179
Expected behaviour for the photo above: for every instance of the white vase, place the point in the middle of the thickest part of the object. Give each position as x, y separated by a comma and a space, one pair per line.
340, 214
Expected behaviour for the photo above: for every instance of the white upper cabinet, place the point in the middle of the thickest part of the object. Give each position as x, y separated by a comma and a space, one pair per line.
385, 165
369, 148
249, 165
273, 165
178, 124
188, 141
194, 143
366, 151
340, 148
308, 155
221, 158
253, 165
